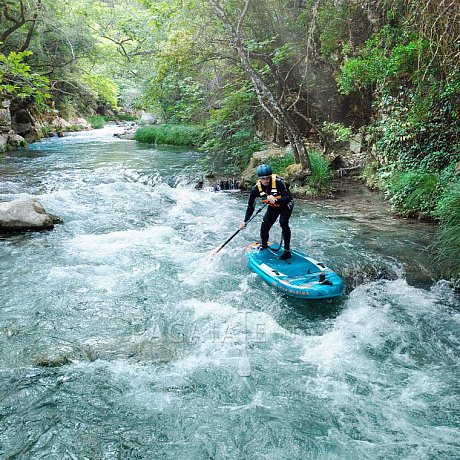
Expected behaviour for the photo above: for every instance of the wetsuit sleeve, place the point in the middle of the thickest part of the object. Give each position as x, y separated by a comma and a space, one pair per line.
284, 192
250, 208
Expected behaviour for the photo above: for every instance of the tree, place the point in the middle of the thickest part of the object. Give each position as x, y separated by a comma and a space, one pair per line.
271, 80
16, 16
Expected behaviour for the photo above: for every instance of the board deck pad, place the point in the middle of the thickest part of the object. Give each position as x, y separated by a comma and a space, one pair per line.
299, 276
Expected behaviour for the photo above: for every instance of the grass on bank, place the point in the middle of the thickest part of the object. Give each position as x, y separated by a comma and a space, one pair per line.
99, 121
321, 174
319, 181
447, 241
185, 135
96, 121
427, 194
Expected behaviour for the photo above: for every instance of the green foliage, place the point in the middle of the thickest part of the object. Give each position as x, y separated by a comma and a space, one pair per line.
96, 121
171, 135
17, 80
414, 193
122, 117
387, 57
230, 132
332, 23
320, 171
178, 100
284, 53
421, 129
280, 163
338, 131
447, 242
105, 89
318, 181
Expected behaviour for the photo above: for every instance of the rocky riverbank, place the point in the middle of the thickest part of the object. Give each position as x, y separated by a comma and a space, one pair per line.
21, 126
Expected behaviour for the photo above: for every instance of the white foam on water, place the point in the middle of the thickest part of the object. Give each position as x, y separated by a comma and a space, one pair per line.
102, 247
187, 346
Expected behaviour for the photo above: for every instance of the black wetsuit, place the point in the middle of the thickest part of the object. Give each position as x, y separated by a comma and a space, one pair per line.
284, 211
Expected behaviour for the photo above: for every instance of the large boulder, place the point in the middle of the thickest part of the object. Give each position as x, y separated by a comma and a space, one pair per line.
80, 122
16, 141
148, 119
25, 214
356, 143
60, 123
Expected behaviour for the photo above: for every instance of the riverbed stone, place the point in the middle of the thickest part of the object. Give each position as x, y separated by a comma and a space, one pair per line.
148, 119
25, 214
60, 123
80, 122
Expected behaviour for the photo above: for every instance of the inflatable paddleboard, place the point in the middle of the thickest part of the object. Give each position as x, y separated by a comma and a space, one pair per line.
299, 276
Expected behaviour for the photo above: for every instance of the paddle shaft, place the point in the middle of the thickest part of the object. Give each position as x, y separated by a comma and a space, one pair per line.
239, 230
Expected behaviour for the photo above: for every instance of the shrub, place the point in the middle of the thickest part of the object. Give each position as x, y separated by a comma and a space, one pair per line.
125, 117
96, 121
320, 171
105, 89
279, 164
337, 131
414, 193
447, 242
231, 131
171, 135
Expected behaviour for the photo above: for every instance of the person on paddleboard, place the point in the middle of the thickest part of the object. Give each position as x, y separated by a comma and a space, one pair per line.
275, 193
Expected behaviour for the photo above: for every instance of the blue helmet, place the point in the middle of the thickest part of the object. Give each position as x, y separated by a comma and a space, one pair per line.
264, 171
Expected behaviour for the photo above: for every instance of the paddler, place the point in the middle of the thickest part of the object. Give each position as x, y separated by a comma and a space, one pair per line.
275, 193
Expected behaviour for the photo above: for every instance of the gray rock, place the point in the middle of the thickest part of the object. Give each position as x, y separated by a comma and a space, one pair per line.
25, 214
60, 123
3, 142
80, 122
15, 141
148, 119
21, 128
356, 143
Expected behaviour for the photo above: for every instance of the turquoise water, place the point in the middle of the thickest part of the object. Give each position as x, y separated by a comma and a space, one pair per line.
121, 337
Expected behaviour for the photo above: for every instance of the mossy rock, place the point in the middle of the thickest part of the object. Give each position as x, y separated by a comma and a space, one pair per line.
273, 156
295, 175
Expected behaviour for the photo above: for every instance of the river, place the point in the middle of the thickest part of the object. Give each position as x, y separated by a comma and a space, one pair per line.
122, 338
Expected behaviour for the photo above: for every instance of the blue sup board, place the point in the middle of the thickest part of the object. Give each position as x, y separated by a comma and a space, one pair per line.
299, 276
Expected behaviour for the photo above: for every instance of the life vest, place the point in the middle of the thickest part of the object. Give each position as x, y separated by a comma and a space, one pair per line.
273, 191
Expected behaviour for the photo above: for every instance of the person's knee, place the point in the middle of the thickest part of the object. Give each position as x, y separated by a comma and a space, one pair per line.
284, 223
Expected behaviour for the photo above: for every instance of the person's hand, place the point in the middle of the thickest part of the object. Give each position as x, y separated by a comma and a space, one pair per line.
243, 225
271, 199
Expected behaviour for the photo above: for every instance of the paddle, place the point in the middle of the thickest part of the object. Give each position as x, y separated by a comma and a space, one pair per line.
239, 230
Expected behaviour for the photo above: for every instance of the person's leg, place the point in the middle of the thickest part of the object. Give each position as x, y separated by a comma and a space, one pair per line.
269, 219
285, 215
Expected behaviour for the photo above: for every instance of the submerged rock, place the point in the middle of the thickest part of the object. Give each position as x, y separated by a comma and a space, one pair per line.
25, 214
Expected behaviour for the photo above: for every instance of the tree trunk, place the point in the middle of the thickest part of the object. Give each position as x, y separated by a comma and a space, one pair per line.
265, 96
280, 135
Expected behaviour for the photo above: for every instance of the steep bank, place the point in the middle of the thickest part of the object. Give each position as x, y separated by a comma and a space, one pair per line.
21, 124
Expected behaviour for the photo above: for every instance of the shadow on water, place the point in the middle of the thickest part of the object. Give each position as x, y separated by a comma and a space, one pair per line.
308, 317
316, 310
22, 236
